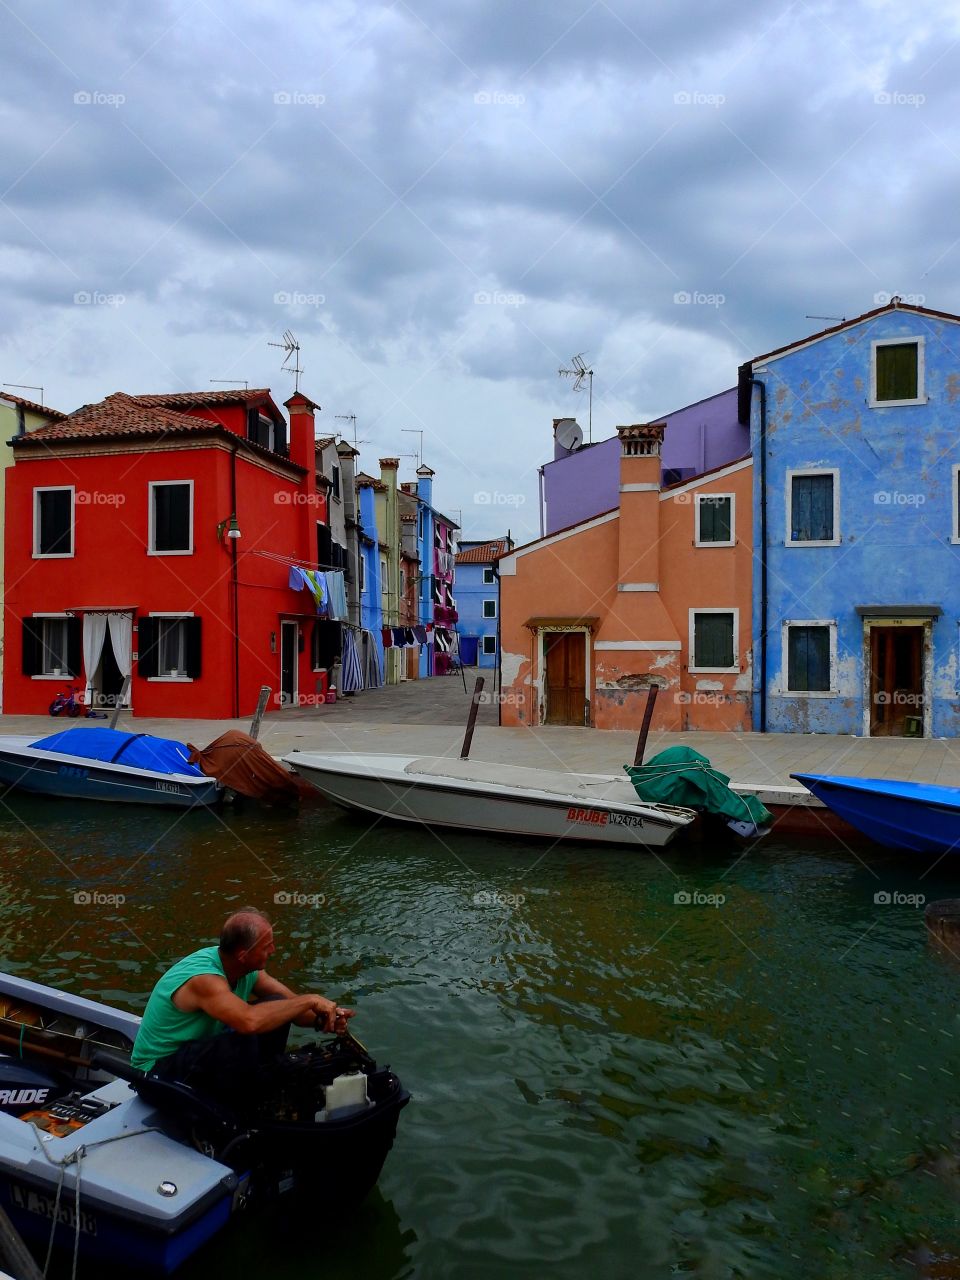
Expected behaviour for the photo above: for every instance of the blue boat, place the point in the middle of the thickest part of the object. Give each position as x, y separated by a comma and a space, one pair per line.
107, 764
135, 1171
917, 816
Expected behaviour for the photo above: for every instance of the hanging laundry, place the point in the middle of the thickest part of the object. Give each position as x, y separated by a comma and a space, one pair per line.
296, 581
421, 634
337, 593
399, 637
351, 675
409, 638
387, 635
317, 586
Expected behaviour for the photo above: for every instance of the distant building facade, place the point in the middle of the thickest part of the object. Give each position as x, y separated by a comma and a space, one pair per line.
478, 600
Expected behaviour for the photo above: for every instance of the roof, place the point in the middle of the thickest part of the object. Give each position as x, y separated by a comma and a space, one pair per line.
486, 553
198, 399
31, 406
323, 441
121, 416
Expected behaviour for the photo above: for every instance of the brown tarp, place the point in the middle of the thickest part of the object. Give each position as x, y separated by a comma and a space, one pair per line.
239, 762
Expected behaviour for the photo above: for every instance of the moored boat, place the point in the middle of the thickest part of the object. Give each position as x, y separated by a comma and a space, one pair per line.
918, 816
493, 798
139, 1171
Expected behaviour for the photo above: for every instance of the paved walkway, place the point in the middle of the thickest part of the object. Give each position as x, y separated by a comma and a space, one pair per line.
428, 717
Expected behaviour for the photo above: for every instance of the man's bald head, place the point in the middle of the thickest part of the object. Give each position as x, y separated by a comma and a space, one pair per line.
242, 930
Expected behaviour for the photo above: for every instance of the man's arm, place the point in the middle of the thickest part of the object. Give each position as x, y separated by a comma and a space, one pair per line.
269, 988
212, 994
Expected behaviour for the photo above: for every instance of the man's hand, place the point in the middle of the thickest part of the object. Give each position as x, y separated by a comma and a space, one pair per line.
329, 1016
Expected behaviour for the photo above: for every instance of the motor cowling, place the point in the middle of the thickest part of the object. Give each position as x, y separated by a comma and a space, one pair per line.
25, 1087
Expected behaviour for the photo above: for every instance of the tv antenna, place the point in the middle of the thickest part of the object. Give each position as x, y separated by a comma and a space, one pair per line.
415, 431
232, 382
291, 346
578, 373
25, 386
837, 319
351, 417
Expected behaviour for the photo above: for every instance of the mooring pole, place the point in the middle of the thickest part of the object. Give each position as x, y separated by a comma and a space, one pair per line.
472, 718
258, 714
121, 699
645, 725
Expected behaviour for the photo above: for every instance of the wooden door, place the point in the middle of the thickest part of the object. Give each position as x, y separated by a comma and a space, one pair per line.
896, 680
288, 664
564, 654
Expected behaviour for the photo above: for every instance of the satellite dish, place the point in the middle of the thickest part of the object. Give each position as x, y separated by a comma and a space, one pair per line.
569, 434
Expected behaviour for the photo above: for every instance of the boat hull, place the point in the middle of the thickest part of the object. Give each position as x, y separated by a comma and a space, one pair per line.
75, 778
370, 785
918, 817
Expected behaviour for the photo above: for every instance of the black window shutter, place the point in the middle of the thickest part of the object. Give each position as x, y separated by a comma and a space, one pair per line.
280, 438
148, 661
324, 547
193, 647
253, 424
32, 646
74, 661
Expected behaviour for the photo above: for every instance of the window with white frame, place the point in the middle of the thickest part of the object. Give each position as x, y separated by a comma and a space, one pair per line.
488, 578
813, 508
383, 575
809, 656
171, 517
53, 521
897, 372
714, 640
54, 647
363, 572
715, 520
489, 644
489, 608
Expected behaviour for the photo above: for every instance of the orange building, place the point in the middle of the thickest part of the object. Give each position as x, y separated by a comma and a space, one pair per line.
655, 592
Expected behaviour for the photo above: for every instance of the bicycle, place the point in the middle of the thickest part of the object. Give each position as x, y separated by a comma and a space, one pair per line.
70, 702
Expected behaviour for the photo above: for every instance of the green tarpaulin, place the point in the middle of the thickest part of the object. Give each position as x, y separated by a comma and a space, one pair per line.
682, 776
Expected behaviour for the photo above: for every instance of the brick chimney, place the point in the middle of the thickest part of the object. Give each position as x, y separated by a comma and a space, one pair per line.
638, 567
302, 438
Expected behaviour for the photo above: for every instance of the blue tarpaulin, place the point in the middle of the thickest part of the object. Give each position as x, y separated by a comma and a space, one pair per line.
138, 750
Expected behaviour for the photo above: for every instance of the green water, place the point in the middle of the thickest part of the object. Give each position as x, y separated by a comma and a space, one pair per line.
606, 1082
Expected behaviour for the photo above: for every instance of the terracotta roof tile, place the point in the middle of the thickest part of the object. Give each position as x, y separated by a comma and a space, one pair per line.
31, 405
197, 399
484, 554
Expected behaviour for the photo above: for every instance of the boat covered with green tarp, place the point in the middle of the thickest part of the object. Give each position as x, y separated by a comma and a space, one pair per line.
682, 776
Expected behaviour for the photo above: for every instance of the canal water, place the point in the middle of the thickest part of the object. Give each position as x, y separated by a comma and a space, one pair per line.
707, 1063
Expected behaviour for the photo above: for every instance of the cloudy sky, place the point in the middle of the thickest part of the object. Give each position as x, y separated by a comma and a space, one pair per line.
446, 201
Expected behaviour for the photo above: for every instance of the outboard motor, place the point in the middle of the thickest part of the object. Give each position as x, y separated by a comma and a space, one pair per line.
25, 1087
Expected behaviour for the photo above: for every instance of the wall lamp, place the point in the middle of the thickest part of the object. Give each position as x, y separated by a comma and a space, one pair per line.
231, 526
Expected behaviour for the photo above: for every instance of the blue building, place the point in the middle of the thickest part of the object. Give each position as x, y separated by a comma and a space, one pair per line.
435, 542
855, 434
478, 601
371, 577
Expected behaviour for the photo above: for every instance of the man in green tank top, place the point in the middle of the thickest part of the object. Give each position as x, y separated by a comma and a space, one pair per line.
208, 993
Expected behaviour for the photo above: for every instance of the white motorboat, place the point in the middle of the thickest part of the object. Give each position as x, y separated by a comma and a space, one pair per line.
497, 798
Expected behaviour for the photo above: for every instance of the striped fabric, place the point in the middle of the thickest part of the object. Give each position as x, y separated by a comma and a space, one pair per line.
351, 675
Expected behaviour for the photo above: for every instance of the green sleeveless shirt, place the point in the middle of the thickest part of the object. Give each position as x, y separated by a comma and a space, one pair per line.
165, 1027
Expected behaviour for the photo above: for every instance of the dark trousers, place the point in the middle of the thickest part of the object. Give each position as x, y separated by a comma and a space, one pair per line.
230, 1066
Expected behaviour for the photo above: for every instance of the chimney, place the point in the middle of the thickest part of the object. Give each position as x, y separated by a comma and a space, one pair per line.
639, 536
425, 485
302, 438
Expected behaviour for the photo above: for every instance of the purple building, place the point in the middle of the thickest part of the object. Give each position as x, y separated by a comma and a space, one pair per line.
584, 481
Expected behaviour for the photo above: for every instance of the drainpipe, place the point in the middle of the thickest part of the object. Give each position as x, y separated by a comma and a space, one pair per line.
762, 386
236, 588
540, 481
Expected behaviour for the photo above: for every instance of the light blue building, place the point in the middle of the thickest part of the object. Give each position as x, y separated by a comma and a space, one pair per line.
434, 540
478, 601
369, 562
855, 434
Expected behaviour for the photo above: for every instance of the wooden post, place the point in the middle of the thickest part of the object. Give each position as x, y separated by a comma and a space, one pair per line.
120, 701
645, 725
472, 718
943, 922
258, 714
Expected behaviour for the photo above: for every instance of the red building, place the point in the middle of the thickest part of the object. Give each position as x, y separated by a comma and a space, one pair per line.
154, 536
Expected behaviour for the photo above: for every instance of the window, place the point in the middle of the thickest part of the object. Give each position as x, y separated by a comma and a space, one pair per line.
715, 520
363, 572
403, 584
489, 644
383, 575
809, 648
813, 508
897, 372
169, 647
714, 639
488, 578
171, 517
53, 522
51, 646
420, 525
489, 608
335, 471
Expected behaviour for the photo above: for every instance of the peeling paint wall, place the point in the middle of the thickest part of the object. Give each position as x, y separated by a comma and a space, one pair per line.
897, 498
